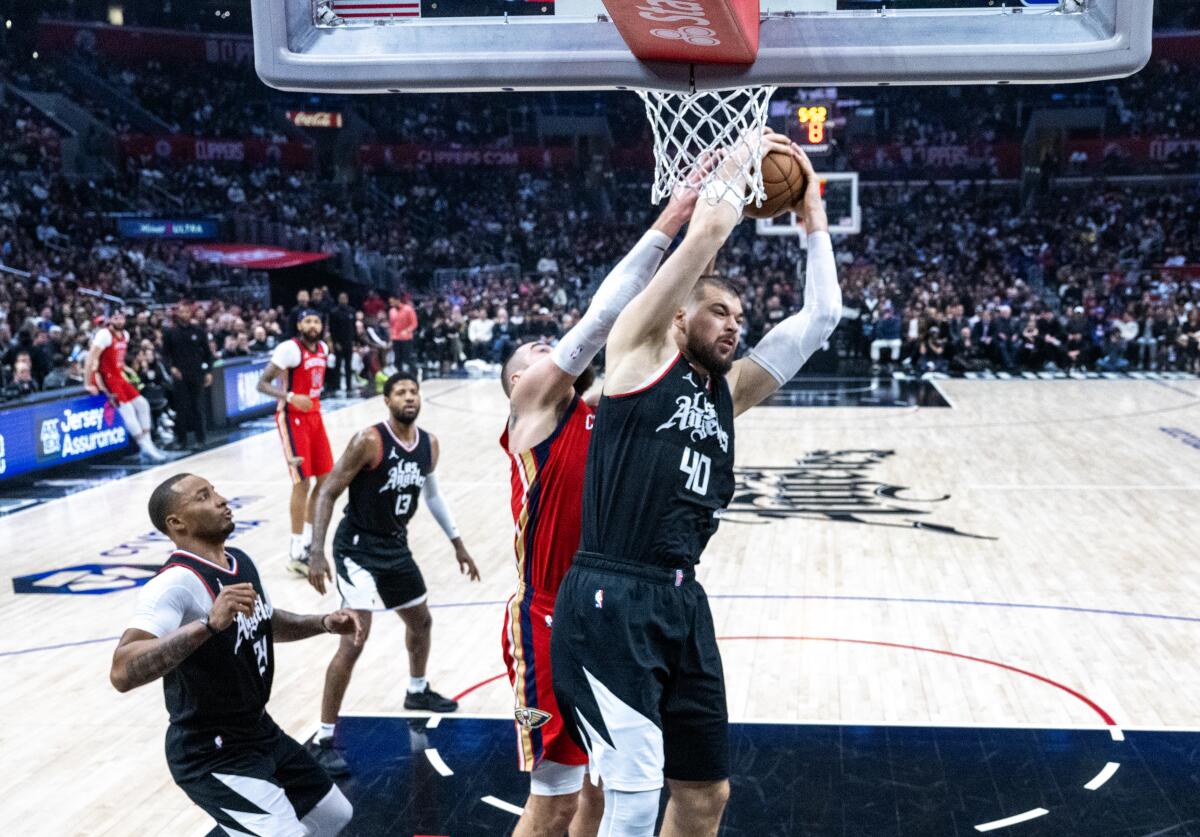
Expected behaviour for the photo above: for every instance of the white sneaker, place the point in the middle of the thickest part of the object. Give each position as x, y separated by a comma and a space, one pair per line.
152, 454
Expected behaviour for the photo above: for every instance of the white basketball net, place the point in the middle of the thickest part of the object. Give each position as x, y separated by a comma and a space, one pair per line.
691, 127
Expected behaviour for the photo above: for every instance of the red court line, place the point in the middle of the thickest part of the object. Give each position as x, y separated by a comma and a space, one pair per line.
478, 685
1091, 704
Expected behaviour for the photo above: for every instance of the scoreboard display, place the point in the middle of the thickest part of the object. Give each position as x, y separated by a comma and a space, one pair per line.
809, 121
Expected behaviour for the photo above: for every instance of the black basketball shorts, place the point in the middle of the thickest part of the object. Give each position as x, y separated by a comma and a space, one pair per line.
637, 674
375, 572
263, 783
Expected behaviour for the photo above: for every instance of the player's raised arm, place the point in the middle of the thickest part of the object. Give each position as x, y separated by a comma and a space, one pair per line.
787, 347
643, 327
548, 381
364, 450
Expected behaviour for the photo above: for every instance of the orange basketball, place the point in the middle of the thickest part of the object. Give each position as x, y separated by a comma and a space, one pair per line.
784, 184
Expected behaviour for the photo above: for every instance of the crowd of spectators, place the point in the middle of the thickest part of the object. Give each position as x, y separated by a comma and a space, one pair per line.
944, 279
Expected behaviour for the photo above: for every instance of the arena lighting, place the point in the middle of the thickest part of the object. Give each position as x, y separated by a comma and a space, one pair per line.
35, 55
8, 24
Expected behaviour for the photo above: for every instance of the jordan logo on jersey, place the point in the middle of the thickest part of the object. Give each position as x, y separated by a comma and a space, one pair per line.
696, 416
402, 475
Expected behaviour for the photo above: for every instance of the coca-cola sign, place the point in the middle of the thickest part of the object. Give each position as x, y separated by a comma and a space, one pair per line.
315, 119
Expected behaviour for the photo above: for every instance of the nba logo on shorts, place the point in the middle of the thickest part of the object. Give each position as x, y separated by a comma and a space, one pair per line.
600, 598
679, 578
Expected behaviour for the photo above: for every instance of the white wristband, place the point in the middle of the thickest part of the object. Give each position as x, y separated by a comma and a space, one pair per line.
718, 190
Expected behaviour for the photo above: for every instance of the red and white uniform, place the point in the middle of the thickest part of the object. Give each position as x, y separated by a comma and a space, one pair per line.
303, 433
547, 505
110, 373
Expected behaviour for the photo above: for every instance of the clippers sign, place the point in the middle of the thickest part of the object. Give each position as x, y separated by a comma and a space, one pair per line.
314, 119
42, 435
708, 31
85, 580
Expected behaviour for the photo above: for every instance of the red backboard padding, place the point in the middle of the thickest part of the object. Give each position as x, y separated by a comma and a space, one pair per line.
692, 31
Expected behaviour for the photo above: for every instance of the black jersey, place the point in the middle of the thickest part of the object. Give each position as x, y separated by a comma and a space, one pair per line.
226, 682
659, 469
383, 498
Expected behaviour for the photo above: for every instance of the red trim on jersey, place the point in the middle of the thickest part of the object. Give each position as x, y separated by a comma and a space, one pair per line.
192, 570
232, 558
641, 389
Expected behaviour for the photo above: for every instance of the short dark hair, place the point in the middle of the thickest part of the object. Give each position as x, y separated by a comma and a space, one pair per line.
163, 501
504, 370
712, 280
391, 382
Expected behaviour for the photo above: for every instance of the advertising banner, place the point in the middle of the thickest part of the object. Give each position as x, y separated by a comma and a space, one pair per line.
166, 228
48, 433
181, 148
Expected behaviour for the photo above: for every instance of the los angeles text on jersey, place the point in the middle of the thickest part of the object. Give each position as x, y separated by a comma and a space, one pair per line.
402, 475
696, 415
247, 626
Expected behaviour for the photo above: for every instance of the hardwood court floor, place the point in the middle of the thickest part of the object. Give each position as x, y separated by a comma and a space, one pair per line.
1058, 532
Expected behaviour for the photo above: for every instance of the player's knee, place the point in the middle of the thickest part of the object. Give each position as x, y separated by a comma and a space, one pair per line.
631, 813
330, 816
701, 800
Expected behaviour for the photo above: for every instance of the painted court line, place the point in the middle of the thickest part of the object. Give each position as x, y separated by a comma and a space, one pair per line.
1018, 819
433, 722
435, 758
1103, 776
1117, 734
503, 806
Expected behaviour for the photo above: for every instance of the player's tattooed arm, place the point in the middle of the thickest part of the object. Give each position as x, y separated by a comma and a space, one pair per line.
142, 658
364, 451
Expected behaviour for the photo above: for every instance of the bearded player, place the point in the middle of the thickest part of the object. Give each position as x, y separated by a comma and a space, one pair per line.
387, 467
549, 426
104, 371
637, 672
303, 359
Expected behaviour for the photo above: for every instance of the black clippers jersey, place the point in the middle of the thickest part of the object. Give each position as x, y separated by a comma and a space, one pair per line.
659, 470
225, 683
384, 498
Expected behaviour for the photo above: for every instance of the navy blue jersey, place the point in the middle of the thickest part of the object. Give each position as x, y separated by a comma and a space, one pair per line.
659, 469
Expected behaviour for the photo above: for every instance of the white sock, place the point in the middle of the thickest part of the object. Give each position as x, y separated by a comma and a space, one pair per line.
326, 731
297, 547
416, 685
307, 534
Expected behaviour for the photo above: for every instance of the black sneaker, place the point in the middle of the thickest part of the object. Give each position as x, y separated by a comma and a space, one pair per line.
429, 701
328, 757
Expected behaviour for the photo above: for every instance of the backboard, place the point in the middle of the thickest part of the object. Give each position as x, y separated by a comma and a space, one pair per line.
840, 190
379, 46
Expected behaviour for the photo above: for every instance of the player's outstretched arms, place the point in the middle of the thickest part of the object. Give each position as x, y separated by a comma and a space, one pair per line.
787, 347
641, 333
290, 627
141, 657
364, 451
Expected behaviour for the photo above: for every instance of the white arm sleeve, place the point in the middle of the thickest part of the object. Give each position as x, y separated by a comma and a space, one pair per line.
580, 345
437, 506
789, 345
172, 598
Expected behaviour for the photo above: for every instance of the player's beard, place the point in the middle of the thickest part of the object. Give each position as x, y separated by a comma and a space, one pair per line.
706, 355
585, 380
405, 416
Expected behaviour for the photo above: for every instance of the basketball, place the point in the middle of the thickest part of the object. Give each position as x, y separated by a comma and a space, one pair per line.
784, 184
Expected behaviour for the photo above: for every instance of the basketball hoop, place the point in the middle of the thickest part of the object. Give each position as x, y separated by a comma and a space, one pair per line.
693, 127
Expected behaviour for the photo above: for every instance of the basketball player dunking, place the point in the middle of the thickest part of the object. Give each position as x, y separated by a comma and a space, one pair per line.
387, 468
104, 371
206, 626
637, 672
301, 429
547, 439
